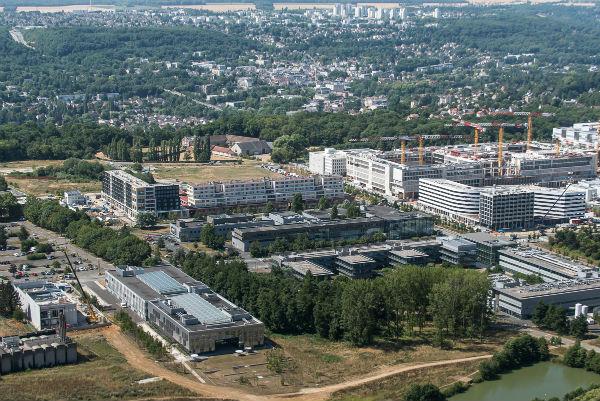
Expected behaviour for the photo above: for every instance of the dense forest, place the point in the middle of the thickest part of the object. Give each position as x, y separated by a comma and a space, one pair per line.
400, 303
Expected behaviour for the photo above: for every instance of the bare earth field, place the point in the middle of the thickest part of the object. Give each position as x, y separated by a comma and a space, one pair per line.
102, 373
10, 327
48, 185
202, 173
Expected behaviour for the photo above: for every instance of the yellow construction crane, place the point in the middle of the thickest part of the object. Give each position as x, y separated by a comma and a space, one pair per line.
403, 155
529, 114
421, 159
92, 317
476, 141
557, 148
500, 149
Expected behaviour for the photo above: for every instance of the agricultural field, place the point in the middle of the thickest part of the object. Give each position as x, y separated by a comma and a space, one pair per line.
102, 373
205, 173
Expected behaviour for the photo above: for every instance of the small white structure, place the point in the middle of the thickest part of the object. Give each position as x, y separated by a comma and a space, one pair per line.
74, 198
327, 162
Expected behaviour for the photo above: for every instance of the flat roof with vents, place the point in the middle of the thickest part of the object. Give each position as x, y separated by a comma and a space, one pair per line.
161, 282
204, 311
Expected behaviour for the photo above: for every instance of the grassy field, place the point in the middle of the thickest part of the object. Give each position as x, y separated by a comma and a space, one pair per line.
321, 362
27, 164
395, 387
197, 174
47, 185
101, 374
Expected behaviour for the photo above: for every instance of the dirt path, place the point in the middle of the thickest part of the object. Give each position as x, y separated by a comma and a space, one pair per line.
140, 361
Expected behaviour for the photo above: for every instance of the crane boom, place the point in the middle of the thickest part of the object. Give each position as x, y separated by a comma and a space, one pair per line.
91, 313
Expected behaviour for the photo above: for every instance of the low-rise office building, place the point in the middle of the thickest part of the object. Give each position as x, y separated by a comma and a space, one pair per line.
521, 301
549, 266
43, 303
395, 225
301, 269
355, 266
458, 251
583, 135
488, 247
184, 309
131, 195
189, 230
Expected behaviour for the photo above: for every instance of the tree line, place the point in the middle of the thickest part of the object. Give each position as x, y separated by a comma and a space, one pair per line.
518, 352
118, 247
401, 302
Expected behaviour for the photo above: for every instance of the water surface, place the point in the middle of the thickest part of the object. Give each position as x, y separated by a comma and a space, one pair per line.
543, 380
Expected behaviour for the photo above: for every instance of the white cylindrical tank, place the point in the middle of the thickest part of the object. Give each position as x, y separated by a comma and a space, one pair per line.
584, 310
577, 309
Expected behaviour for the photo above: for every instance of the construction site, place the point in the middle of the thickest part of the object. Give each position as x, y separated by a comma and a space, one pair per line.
396, 173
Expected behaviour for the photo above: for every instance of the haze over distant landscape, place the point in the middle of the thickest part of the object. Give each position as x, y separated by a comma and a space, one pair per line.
319, 200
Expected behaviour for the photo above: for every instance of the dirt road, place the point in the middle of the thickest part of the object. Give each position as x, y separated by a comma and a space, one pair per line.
140, 361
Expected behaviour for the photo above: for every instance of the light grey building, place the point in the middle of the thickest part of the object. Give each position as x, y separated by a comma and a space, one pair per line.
549, 266
184, 309
521, 301
43, 302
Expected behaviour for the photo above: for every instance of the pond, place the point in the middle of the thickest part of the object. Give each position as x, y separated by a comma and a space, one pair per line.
543, 380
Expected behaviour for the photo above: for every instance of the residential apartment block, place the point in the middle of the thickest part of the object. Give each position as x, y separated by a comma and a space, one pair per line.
214, 195
131, 195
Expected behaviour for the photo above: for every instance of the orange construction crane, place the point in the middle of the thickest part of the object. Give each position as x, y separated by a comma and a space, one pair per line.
421, 160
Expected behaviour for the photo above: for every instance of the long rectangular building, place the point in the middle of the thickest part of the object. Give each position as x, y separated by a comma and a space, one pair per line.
394, 174
184, 309
131, 195
449, 199
214, 195
395, 225
550, 267
521, 301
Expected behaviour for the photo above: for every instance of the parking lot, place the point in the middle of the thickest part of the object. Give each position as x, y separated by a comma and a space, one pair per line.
15, 264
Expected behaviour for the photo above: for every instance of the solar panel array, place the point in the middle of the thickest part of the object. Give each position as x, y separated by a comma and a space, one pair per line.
203, 310
162, 283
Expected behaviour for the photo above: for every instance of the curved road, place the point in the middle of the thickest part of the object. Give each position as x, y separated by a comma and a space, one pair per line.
136, 358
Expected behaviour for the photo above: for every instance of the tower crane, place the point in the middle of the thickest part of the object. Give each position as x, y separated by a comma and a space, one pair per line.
529, 114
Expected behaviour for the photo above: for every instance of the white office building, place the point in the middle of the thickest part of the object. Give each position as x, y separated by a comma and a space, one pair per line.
42, 302
213, 195
449, 199
327, 162
556, 203
582, 135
